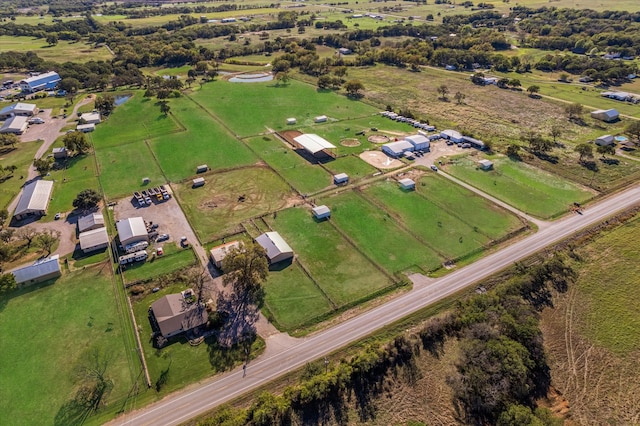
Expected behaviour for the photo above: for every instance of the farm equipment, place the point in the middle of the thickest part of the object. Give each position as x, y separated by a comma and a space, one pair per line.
139, 198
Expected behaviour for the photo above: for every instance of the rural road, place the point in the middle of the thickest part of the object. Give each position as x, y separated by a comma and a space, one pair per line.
186, 404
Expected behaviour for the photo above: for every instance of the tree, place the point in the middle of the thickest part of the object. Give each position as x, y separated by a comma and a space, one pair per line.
280, 65
633, 130
70, 85
513, 151
164, 107
7, 282
537, 143
606, 149
514, 82
533, 90
52, 39
76, 141
9, 139
246, 269
283, 77
443, 90
43, 165
45, 240
27, 234
584, 150
555, 131
105, 104
353, 87
573, 111
459, 97
87, 199
4, 215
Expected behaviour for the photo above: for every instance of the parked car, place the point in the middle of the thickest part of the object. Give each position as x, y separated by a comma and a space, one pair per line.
156, 289
155, 226
36, 120
159, 251
57, 216
162, 237
434, 168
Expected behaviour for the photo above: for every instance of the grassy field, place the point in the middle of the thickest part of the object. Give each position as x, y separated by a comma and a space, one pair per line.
156, 266
204, 142
303, 176
266, 105
78, 175
61, 52
21, 157
351, 165
527, 188
215, 210
338, 268
47, 333
377, 235
293, 299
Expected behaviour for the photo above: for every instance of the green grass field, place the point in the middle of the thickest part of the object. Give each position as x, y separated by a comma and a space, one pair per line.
355, 167
302, 175
293, 299
377, 235
21, 157
204, 142
265, 105
46, 333
162, 265
340, 270
214, 210
78, 175
525, 187
61, 52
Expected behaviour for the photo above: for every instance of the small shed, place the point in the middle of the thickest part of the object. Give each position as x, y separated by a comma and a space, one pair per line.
407, 184
291, 121
198, 182
320, 119
202, 168
91, 221
90, 118
606, 115
60, 153
321, 212
340, 178
485, 164
218, 253
86, 128
605, 140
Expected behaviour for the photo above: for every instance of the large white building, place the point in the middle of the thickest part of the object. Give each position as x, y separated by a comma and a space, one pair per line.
41, 270
34, 200
132, 230
16, 125
19, 108
276, 247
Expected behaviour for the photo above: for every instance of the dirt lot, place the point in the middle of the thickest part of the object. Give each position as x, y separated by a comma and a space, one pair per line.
380, 160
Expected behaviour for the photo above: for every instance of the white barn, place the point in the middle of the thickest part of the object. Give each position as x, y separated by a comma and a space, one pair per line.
606, 115
34, 200
340, 178
419, 142
91, 221
132, 230
407, 184
16, 125
314, 144
396, 149
95, 239
451, 135
605, 140
90, 118
18, 109
276, 247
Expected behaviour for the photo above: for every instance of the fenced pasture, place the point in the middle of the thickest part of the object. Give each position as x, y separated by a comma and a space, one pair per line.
353, 166
21, 157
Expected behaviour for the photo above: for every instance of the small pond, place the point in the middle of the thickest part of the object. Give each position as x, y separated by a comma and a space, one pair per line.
252, 78
119, 100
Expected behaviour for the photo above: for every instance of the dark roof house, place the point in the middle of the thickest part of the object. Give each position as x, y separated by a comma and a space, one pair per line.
174, 314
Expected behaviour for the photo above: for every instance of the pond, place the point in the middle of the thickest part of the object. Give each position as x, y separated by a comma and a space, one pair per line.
119, 100
252, 78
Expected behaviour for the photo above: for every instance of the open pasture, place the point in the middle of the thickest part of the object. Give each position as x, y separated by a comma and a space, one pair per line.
338, 268
352, 165
61, 52
205, 141
378, 236
48, 332
525, 187
229, 198
77, 174
253, 108
298, 171
173, 260
21, 157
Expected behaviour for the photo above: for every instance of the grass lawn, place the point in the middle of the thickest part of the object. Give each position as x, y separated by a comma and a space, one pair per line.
265, 105
377, 235
300, 173
156, 266
214, 210
123, 167
181, 362
61, 52
204, 142
81, 259
21, 157
608, 288
340, 269
293, 299
525, 187
135, 120
352, 165
47, 331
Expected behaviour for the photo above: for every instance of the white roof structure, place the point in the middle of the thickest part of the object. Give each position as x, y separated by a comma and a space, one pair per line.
605, 140
41, 269
19, 108
90, 117
35, 198
407, 183
321, 211
313, 143
417, 139
131, 229
485, 164
218, 253
91, 221
93, 238
605, 114
451, 134
276, 247
397, 148
89, 127
16, 124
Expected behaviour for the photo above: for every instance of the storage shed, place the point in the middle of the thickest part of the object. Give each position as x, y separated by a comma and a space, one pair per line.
132, 230
218, 253
16, 125
95, 239
41, 270
202, 168
407, 184
90, 118
397, 149
291, 121
34, 199
60, 153
485, 164
340, 178
419, 142
451, 135
90, 221
86, 128
605, 140
198, 182
276, 247
320, 119
606, 115
321, 212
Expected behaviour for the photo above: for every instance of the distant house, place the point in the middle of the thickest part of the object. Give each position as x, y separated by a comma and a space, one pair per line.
90, 118
485, 164
178, 313
605, 140
451, 135
321, 212
16, 125
46, 81
276, 247
34, 200
218, 253
198, 182
19, 108
397, 149
42, 270
606, 115
132, 230
340, 178
419, 142
344, 51
86, 128
91, 221
407, 184
60, 153
95, 239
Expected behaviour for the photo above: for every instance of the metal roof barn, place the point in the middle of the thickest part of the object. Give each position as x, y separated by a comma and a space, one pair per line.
276, 247
34, 199
132, 230
41, 270
313, 143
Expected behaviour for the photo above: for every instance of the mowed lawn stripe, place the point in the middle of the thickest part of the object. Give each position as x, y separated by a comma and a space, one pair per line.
377, 235
338, 268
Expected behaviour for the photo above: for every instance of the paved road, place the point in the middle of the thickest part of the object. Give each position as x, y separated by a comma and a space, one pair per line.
184, 405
